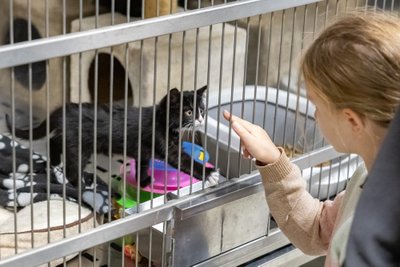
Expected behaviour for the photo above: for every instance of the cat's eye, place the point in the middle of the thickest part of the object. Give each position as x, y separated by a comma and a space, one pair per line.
188, 113
201, 112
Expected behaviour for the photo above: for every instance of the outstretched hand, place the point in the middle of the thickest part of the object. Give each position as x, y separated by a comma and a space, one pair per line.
256, 142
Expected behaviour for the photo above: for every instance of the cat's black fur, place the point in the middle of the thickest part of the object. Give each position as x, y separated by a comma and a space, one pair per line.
135, 7
118, 111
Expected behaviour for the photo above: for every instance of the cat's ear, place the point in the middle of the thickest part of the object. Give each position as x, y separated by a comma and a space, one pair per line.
200, 91
174, 95
174, 91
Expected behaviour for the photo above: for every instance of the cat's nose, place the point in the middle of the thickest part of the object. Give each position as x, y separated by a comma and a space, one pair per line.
200, 119
199, 122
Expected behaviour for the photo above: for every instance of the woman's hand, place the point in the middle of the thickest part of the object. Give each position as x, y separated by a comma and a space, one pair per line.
255, 140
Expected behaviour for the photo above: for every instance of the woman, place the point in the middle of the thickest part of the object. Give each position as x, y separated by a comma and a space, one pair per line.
352, 76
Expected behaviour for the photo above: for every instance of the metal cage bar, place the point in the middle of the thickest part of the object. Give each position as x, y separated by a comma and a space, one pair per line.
113, 35
173, 210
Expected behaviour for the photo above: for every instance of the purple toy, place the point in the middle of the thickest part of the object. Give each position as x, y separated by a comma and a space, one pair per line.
160, 168
159, 177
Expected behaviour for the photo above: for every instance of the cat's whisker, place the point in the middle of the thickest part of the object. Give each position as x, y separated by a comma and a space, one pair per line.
197, 138
186, 131
183, 133
186, 127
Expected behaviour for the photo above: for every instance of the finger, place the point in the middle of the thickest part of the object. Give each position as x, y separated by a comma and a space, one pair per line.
243, 133
228, 116
246, 154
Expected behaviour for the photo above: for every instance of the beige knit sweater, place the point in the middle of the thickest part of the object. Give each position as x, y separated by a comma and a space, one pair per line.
315, 227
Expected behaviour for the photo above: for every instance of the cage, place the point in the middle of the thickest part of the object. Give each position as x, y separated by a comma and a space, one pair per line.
109, 64
142, 67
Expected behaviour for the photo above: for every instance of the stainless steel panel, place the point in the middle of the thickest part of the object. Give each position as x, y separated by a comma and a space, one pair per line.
248, 251
220, 221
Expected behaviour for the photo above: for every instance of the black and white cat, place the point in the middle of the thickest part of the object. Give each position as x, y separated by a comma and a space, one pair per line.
118, 113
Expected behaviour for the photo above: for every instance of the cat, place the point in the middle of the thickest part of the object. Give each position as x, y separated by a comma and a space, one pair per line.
152, 7
118, 112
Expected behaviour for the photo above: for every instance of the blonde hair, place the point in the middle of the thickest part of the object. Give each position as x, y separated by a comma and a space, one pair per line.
355, 63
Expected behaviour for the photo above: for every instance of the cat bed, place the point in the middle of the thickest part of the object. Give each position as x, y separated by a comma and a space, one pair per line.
16, 192
16, 189
22, 238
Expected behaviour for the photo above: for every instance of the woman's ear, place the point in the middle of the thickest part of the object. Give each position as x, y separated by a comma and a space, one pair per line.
354, 119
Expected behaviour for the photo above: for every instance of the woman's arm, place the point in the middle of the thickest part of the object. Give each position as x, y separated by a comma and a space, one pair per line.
306, 221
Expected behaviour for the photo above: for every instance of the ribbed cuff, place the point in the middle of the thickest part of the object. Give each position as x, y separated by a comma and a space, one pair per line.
278, 170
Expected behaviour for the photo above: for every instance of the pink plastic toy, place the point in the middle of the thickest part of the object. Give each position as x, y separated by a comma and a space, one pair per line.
159, 177
160, 168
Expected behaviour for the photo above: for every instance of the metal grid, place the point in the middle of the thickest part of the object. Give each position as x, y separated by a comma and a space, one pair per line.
245, 51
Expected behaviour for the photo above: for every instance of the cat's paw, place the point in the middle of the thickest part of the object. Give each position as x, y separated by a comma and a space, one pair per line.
145, 182
212, 179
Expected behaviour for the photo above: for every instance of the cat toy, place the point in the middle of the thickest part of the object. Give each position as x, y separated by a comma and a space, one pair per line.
165, 176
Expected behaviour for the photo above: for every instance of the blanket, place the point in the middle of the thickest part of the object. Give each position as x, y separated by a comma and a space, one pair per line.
29, 183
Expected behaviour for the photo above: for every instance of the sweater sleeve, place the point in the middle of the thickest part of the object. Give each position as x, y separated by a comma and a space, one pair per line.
306, 221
